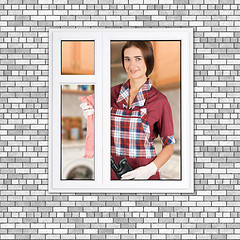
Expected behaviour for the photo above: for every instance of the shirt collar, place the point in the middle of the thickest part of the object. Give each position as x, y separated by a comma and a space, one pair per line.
140, 98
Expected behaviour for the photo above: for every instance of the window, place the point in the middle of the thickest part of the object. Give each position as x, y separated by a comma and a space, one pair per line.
84, 65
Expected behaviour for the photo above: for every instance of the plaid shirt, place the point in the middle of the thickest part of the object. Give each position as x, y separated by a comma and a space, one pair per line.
140, 102
140, 98
130, 134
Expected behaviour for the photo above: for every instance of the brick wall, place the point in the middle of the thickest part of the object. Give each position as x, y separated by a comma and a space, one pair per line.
29, 212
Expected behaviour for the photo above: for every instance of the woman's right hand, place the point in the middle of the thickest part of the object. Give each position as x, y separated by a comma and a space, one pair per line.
87, 109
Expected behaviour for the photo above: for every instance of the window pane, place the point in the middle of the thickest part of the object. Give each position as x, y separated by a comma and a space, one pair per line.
77, 58
166, 78
77, 133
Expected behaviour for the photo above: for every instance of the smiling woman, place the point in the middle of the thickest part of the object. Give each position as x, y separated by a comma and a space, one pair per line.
139, 114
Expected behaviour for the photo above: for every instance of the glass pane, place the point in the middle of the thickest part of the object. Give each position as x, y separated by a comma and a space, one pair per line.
77, 128
77, 58
164, 77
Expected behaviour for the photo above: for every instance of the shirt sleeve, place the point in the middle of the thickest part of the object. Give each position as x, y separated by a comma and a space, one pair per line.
114, 94
165, 125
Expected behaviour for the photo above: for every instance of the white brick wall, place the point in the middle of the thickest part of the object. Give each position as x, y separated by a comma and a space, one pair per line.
29, 212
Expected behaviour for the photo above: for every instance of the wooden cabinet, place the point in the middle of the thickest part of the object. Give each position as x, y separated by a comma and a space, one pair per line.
166, 72
78, 57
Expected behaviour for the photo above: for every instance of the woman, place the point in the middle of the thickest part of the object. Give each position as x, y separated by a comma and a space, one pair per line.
139, 114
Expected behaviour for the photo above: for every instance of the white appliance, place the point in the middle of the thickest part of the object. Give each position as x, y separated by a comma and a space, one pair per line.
74, 166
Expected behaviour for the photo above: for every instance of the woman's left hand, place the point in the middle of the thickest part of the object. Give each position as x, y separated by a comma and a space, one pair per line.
141, 173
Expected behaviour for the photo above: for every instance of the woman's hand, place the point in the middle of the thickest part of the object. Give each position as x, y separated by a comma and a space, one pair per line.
141, 173
87, 109
147, 171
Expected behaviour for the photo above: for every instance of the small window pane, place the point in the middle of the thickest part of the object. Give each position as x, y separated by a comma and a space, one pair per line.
77, 58
77, 161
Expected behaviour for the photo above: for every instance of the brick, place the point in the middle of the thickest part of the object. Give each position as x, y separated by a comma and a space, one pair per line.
208, 213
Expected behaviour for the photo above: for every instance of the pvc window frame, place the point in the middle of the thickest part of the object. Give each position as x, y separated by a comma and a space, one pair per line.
101, 79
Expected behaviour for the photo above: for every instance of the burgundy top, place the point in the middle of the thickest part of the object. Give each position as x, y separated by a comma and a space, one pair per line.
159, 112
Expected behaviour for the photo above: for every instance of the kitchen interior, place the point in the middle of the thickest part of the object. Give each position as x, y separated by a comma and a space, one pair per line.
74, 125
166, 78
78, 59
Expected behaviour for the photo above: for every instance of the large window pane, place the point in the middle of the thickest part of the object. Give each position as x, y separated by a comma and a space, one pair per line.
166, 78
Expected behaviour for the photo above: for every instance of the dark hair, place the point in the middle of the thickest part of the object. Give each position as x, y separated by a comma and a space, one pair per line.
147, 52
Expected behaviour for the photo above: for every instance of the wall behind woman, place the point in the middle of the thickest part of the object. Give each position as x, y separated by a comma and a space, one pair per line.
172, 95
28, 211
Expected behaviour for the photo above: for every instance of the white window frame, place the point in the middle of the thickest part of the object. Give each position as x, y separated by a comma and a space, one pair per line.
101, 80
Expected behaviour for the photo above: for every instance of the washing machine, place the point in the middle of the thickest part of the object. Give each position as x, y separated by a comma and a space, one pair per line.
74, 165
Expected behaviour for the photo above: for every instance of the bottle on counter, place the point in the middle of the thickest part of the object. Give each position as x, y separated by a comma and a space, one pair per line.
74, 129
67, 128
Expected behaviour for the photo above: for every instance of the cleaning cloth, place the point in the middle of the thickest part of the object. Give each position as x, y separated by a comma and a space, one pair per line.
89, 145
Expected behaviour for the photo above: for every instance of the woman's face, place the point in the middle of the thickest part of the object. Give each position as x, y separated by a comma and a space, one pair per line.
134, 63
